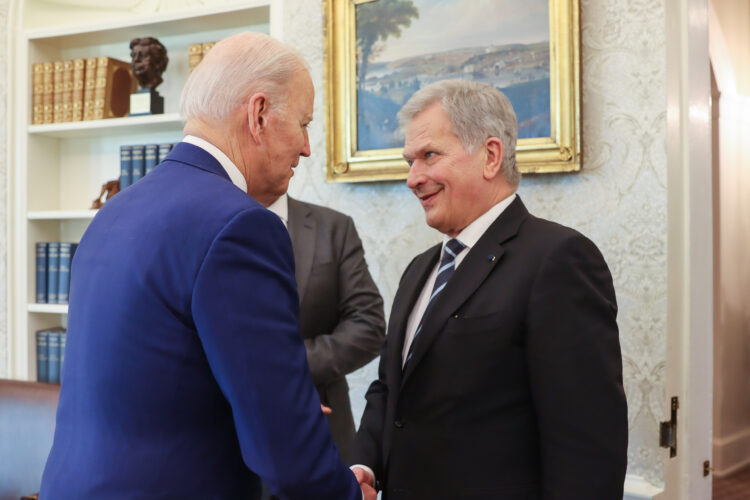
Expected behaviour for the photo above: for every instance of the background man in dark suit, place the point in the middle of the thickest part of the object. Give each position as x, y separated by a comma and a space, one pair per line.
501, 375
186, 375
341, 312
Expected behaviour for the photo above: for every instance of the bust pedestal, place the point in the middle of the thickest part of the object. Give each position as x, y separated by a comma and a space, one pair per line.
146, 102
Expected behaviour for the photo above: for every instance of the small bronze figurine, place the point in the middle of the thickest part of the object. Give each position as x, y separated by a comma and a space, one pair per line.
110, 188
149, 61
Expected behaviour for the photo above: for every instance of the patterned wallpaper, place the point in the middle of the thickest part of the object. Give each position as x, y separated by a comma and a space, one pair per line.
619, 200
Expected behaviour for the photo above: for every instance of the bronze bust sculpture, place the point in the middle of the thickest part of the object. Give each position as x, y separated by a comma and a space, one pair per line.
149, 61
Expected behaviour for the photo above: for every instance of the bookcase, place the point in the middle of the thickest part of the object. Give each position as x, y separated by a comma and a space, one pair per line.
55, 171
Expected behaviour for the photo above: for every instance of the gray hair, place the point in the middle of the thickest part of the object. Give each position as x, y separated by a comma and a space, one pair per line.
477, 112
236, 68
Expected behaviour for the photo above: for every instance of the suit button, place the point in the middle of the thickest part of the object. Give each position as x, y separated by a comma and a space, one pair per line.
399, 423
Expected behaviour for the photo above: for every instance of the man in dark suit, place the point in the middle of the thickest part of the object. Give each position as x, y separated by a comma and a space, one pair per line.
501, 376
185, 374
341, 312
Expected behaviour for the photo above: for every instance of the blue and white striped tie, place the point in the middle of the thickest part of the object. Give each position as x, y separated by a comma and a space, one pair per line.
447, 266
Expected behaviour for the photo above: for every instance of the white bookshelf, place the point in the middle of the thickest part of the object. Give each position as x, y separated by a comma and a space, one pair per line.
57, 170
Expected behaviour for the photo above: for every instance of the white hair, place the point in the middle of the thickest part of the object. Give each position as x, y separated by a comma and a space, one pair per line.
477, 112
236, 68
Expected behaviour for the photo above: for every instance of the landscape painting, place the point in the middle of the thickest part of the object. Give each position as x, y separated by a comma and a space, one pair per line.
380, 52
403, 45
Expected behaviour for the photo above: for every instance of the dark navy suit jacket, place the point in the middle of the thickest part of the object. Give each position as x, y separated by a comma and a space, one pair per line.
185, 373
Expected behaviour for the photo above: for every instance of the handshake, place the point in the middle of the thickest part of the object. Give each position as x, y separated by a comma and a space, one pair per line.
364, 478
366, 482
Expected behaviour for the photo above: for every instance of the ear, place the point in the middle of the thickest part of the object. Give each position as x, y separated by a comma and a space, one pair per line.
257, 115
493, 149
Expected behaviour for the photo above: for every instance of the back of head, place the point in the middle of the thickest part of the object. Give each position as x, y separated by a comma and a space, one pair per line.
477, 112
236, 68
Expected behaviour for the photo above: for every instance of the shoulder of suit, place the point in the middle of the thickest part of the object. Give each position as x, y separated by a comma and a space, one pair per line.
320, 211
553, 235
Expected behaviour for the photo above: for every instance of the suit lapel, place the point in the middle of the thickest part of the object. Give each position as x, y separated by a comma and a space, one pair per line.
302, 232
473, 271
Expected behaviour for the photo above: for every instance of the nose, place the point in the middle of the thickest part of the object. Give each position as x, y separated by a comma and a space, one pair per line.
416, 175
306, 148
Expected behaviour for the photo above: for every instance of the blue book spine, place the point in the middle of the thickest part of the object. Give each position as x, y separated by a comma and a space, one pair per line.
139, 164
126, 166
163, 151
41, 273
42, 355
63, 275
63, 341
53, 360
150, 157
53, 268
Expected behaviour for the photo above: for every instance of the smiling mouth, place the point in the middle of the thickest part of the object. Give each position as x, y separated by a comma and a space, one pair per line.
426, 198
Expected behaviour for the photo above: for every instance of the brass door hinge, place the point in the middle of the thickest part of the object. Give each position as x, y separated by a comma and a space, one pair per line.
707, 469
668, 430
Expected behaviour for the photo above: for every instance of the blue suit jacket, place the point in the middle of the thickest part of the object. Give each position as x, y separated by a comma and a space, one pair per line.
185, 373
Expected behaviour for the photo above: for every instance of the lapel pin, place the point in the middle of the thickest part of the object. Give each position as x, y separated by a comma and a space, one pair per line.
491, 257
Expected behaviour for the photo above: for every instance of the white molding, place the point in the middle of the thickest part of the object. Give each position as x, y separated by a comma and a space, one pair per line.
153, 21
637, 488
690, 285
48, 308
731, 453
61, 214
94, 128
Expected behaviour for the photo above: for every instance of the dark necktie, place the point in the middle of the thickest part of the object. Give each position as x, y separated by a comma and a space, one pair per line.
445, 271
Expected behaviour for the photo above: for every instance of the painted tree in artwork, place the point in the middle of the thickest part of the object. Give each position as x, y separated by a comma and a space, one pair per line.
376, 21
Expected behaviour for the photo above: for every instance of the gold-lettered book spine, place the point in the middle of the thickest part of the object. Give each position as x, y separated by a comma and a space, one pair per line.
89, 85
79, 70
195, 55
67, 93
57, 109
48, 98
37, 94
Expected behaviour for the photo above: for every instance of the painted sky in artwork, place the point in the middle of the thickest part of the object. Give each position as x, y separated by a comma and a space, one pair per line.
451, 24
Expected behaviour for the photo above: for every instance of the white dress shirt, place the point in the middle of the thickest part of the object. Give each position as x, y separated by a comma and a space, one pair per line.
232, 171
469, 237
281, 208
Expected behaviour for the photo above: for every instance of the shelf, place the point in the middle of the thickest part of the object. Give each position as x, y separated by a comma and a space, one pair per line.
201, 19
99, 128
61, 214
48, 308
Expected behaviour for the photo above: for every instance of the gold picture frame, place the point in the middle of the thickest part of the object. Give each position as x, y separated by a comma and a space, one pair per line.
558, 152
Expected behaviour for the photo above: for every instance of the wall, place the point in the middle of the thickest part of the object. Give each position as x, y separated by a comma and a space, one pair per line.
730, 36
4, 4
619, 200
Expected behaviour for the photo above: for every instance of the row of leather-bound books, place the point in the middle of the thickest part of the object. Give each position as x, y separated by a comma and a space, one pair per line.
196, 52
81, 89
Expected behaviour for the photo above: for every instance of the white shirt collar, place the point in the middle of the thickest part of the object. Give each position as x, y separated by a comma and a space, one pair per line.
232, 171
471, 233
281, 208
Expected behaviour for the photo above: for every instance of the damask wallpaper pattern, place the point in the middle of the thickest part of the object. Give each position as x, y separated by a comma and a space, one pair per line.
618, 200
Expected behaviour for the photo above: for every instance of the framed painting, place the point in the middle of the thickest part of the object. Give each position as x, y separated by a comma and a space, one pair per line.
379, 52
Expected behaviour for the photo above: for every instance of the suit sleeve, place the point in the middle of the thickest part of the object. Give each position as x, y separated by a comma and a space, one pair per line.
576, 375
245, 311
358, 336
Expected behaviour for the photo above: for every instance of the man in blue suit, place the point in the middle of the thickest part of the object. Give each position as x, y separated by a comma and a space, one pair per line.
186, 374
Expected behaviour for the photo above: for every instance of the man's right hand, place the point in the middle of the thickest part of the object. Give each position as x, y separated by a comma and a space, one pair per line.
368, 492
363, 477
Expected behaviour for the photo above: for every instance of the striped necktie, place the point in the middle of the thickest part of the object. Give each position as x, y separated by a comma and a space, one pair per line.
445, 271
